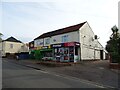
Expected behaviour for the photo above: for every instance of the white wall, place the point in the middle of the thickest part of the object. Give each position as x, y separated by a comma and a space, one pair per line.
97, 54
87, 53
72, 37
90, 48
7, 49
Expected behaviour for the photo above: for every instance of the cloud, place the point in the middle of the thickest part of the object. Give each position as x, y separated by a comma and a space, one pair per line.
30, 19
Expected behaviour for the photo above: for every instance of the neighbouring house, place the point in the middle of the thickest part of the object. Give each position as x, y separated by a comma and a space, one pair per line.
11, 46
70, 44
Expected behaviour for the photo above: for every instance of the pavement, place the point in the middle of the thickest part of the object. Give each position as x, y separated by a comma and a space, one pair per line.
93, 71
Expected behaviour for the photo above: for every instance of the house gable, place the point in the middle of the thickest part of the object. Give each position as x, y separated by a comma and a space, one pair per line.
12, 39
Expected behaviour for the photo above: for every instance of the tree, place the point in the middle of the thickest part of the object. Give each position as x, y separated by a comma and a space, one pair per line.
113, 45
0, 37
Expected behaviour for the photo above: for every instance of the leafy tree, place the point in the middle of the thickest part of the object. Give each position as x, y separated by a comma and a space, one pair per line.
113, 45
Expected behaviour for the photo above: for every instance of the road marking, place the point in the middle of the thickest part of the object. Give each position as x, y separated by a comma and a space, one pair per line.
43, 71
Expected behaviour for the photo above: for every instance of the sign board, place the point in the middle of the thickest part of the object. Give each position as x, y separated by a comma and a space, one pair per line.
57, 45
69, 44
44, 47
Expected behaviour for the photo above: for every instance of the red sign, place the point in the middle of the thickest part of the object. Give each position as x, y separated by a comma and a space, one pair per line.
69, 44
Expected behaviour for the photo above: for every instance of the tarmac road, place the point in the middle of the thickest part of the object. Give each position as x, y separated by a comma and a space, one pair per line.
18, 76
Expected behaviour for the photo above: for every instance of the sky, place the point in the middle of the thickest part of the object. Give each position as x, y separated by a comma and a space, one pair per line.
28, 19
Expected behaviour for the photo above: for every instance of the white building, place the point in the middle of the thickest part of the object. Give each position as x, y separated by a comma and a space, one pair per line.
12, 46
77, 42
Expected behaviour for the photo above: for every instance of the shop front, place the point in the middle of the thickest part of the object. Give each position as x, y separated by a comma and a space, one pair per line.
47, 54
42, 53
66, 52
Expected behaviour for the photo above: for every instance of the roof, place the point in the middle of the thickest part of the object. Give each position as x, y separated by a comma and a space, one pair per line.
12, 39
61, 31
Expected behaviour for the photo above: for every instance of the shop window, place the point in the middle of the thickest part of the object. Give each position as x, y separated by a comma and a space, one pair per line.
48, 54
65, 38
66, 51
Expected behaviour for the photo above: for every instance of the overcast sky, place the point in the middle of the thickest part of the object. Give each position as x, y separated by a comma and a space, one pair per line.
27, 20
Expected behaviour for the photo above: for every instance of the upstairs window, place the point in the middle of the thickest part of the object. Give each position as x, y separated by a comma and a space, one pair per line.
11, 46
47, 41
65, 38
39, 43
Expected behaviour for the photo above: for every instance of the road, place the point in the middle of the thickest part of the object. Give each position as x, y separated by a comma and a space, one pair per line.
18, 76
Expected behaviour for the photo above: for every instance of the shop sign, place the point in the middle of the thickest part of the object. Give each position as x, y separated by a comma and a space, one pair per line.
69, 44
44, 47
57, 45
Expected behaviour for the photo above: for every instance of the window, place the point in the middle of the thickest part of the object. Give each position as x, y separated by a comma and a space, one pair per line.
65, 38
39, 43
47, 41
11, 46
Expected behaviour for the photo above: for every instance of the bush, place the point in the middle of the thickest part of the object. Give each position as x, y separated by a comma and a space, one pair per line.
115, 57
